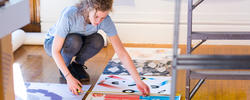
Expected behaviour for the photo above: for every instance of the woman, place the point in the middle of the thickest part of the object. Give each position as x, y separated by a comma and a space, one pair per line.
75, 34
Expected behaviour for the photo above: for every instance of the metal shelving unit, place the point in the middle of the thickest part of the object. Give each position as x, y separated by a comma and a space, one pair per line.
191, 62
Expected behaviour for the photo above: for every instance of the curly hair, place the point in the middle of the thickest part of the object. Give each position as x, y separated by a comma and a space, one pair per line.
99, 5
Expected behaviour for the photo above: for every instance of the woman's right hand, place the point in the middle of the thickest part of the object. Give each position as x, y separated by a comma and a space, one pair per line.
73, 84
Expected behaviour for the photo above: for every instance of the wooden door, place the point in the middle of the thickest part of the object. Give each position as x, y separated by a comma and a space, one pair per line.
34, 25
2, 2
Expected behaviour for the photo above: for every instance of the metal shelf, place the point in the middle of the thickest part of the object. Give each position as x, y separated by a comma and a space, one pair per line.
192, 63
220, 36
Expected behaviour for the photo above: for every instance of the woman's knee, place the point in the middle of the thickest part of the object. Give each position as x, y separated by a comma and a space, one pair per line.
97, 41
72, 43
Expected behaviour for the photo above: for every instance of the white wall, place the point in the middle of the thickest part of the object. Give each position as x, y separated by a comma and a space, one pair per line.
50, 11
151, 21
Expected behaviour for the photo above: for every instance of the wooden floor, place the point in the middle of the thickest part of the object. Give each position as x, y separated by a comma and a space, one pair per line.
36, 66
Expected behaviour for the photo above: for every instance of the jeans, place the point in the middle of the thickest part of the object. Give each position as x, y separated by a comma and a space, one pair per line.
83, 47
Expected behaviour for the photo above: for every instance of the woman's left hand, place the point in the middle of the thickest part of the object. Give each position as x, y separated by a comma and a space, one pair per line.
143, 88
